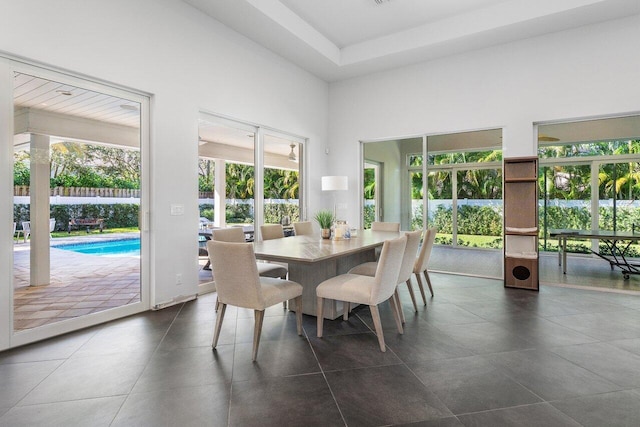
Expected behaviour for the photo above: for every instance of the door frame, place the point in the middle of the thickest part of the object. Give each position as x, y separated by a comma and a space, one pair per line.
8, 337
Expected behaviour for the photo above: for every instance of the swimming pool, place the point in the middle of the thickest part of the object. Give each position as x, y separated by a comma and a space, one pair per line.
126, 247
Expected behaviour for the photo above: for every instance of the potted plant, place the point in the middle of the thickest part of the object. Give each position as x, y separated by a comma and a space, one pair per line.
324, 218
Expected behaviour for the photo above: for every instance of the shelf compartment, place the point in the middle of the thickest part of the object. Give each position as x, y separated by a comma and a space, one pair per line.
519, 212
516, 169
521, 273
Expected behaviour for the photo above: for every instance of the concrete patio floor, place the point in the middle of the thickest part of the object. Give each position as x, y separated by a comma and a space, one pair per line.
80, 284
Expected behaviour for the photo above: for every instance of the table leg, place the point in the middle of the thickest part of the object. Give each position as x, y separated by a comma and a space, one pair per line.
311, 274
564, 255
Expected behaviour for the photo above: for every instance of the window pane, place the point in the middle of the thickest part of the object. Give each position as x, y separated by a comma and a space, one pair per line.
281, 181
565, 203
440, 213
480, 208
415, 178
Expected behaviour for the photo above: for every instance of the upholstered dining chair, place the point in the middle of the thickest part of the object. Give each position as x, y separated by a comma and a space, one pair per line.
422, 262
238, 284
271, 231
265, 269
304, 228
236, 235
354, 288
406, 269
385, 226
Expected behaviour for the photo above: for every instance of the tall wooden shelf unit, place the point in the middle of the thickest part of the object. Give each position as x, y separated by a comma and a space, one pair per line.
520, 198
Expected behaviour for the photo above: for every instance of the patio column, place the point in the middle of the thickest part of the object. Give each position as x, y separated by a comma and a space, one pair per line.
39, 200
220, 195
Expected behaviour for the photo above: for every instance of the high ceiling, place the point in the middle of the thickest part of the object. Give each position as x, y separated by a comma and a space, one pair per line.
338, 39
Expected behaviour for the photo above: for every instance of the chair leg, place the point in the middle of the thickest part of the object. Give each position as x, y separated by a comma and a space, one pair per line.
426, 276
396, 295
319, 315
259, 314
299, 314
424, 298
396, 313
413, 296
375, 314
216, 333
347, 308
284, 303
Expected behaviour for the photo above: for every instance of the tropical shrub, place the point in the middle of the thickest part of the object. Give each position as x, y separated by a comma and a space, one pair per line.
274, 212
369, 213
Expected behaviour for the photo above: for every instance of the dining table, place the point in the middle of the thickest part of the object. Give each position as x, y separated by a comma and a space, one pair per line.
312, 259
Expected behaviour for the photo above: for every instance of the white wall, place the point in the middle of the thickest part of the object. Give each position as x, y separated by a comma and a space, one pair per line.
188, 62
589, 71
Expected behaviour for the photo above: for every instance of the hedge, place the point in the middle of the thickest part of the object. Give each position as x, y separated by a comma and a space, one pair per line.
115, 216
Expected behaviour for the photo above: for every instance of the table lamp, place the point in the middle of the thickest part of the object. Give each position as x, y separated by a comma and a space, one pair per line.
335, 183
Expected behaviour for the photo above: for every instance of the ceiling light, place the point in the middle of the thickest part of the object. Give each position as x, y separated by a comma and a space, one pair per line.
129, 107
292, 155
64, 92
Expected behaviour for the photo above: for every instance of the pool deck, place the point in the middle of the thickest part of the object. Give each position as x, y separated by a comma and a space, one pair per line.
80, 284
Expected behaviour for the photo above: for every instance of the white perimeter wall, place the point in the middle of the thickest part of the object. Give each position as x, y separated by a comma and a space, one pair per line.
188, 62
589, 71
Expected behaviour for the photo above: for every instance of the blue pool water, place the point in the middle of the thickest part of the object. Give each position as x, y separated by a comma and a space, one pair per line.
128, 247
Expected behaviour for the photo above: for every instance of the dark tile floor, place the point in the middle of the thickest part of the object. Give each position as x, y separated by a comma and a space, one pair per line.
476, 355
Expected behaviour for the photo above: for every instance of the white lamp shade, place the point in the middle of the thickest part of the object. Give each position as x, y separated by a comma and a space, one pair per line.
333, 183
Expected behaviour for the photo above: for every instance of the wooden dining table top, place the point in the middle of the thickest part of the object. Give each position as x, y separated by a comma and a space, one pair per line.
313, 248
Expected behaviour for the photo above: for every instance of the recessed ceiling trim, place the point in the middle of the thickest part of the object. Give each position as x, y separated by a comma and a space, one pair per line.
280, 25
298, 27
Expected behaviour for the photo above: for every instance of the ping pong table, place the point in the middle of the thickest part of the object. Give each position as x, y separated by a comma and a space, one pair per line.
618, 243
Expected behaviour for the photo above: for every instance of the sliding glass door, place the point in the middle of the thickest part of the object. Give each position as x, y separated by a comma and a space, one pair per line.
589, 180
78, 162
282, 179
247, 175
463, 186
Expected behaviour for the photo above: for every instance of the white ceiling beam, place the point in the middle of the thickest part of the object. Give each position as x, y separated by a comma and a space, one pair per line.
217, 150
29, 120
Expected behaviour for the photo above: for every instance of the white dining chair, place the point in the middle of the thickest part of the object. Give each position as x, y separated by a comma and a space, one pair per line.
406, 269
265, 269
304, 228
422, 262
237, 235
372, 291
271, 231
385, 226
239, 284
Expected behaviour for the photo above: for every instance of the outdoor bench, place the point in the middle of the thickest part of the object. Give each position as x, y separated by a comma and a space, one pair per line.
86, 222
